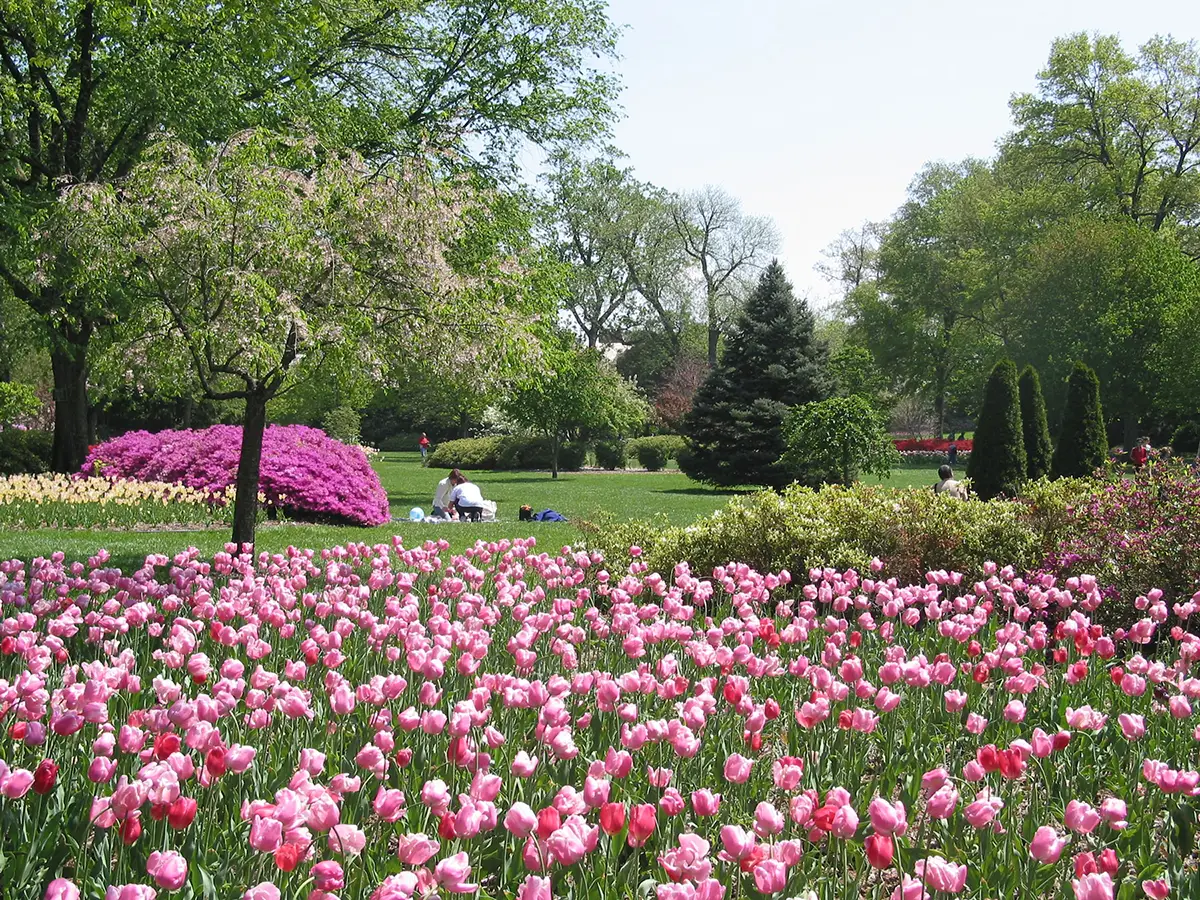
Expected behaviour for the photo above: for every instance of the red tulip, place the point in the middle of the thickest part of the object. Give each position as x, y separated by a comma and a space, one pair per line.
612, 818
549, 821
880, 850
165, 745
181, 813
288, 857
214, 761
131, 829
643, 819
45, 776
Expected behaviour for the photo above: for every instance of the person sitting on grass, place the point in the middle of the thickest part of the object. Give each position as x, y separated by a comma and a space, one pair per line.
441, 496
467, 499
948, 486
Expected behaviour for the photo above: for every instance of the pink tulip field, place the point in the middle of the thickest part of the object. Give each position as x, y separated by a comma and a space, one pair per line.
387, 723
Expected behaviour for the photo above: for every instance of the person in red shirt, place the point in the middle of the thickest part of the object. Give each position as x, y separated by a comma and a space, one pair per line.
423, 443
1139, 454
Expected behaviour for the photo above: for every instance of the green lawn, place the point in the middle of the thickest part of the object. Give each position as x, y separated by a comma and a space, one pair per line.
579, 496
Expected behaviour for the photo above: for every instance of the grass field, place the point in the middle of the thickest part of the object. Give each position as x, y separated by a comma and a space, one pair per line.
580, 496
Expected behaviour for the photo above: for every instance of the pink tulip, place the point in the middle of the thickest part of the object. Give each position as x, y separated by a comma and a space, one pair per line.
328, 876
942, 875
130, 892
737, 769
524, 765
943, 803
737, 842
16, 784
770, 876
61, 889
886, 818
266, 835
705, 802
1115, 813
1157, 890
520, 820
767, 820
452, 875
1081, 817
1046, 846
1132, 726
264, 890
534, 887
389, 804
1093, 886
348, 840
167, 868
416, 849
845, 822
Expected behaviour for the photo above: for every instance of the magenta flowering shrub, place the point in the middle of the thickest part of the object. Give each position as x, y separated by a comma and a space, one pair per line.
1139, 535
388, 723
304, 472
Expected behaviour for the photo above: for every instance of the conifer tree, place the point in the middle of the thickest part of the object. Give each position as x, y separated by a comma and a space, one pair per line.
997, 465
772, 363
1038, 448
1082, 442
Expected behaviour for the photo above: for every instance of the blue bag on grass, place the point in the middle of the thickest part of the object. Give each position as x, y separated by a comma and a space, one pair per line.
549, 515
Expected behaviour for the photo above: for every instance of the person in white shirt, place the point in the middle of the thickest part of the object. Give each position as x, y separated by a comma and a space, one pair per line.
441, 497
467, 499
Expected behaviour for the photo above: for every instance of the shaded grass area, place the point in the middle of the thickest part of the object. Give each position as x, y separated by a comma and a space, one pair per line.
580, 496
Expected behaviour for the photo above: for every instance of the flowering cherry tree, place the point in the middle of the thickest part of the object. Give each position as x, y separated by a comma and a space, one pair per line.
278, 260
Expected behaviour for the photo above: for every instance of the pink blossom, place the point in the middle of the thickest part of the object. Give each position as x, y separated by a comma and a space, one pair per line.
1046, 846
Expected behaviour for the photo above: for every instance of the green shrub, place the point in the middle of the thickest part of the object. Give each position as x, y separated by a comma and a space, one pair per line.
343, 423
997, 466
507, 452
610, 454
17, 401
666, 447
913, 532
1038, 449
466, 453
25, 452
400, 443
1082, 442
1186, 439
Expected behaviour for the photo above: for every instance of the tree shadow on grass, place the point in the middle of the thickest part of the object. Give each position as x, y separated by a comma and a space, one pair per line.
704, 492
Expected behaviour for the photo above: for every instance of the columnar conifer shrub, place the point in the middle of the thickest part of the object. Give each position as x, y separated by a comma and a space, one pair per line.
1082, 446
997, 465
1038, 448
773, 362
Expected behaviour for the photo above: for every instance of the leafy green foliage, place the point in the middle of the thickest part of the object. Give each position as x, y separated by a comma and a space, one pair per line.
17, 401
773, 362
838, 438
25, 452
506, 452
912, 531
998, 465
344, 424
576, 390
1082, 446
610, 455
656, 450
856, 374
1038, 448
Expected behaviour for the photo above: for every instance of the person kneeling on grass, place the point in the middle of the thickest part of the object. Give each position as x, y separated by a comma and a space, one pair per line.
467, 499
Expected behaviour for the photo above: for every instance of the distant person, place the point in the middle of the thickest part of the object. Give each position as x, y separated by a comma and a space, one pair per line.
1140, 454
948, 486
952, 454
423, 443
441, 497
467, 499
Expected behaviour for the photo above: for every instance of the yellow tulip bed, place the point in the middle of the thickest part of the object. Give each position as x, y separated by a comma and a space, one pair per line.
60, 501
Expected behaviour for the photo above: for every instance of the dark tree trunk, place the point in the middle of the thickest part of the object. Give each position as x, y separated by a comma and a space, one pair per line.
68, 361
189, 404
245, 504
714, 338
554, 456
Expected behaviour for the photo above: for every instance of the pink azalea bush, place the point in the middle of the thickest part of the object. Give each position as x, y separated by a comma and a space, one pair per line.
389, 723
304, 471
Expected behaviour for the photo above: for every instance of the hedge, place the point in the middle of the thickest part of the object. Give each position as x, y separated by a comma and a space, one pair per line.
653, 452
25, 452
508, 452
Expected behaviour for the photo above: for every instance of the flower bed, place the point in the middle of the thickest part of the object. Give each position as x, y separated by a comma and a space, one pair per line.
304, 472
377, 722
59, 501
940, 445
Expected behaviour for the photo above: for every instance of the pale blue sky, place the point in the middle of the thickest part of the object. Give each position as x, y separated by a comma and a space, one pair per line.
819, 114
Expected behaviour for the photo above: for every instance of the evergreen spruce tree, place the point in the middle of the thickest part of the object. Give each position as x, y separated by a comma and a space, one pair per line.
1038, 449
772, 363
1082, 442
997, 465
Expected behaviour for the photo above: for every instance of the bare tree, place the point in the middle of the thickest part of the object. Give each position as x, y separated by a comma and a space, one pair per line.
853, 257
726, 246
